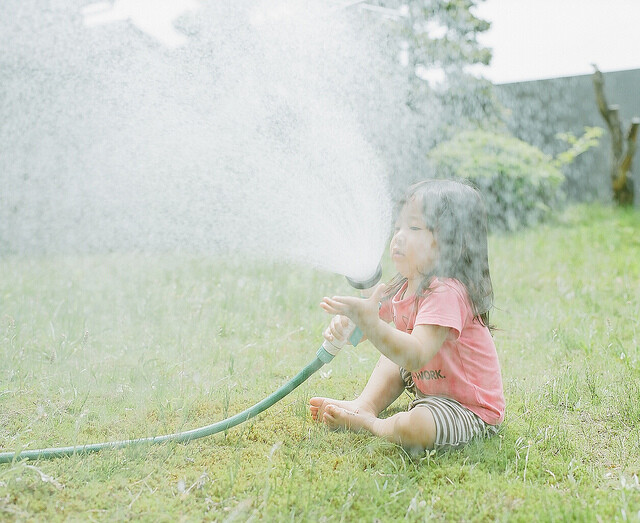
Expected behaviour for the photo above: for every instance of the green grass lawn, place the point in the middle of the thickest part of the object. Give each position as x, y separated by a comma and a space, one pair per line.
114, 347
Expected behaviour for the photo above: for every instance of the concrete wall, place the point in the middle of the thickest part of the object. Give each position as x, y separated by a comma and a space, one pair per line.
540, 109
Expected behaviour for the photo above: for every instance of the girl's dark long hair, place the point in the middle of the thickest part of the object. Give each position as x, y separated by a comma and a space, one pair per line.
455, 213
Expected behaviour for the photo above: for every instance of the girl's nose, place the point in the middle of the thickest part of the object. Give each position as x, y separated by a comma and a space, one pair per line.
397, 239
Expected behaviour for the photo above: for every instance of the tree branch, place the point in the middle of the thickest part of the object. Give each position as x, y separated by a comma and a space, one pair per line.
598, 84
610, 113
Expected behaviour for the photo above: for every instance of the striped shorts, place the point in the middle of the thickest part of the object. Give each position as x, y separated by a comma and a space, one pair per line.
455, 425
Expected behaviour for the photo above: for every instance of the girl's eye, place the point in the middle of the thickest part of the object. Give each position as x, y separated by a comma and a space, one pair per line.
416, 228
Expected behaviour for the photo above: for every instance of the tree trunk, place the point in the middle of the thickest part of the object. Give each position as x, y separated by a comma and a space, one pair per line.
622, 150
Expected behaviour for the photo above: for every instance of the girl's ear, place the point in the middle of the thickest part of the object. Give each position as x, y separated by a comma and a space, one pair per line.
434, 244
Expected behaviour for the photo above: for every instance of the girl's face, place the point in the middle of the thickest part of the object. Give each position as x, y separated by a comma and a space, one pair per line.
413, 246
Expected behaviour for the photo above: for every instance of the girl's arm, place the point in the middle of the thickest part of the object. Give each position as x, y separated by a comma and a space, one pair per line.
411, 351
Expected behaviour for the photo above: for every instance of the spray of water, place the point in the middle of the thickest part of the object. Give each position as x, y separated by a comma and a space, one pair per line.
245, 135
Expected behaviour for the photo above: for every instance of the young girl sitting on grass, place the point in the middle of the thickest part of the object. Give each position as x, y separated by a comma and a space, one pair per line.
441, 349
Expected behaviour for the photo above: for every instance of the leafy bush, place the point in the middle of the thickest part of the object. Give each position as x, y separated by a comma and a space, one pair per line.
520, 184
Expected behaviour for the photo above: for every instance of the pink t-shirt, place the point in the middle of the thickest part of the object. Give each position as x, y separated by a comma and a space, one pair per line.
466, 367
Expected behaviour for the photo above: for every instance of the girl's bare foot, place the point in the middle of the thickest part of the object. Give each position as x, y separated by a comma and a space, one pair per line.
318, 407
337, 417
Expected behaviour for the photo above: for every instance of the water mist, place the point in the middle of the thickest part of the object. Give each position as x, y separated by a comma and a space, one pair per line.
243, 136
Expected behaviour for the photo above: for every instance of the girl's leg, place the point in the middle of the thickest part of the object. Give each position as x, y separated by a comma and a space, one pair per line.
415, 430
382, 389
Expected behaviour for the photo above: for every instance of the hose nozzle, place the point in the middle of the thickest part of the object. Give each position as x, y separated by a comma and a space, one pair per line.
329, 349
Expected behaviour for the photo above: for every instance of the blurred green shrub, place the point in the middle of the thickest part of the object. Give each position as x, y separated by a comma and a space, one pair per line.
520, 183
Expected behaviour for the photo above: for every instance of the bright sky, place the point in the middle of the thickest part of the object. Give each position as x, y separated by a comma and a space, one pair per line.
533, 39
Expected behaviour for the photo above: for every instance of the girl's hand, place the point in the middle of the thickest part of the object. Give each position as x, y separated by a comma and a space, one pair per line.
362, 311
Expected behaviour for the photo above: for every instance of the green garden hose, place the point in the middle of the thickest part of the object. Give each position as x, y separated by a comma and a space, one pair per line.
324, 355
